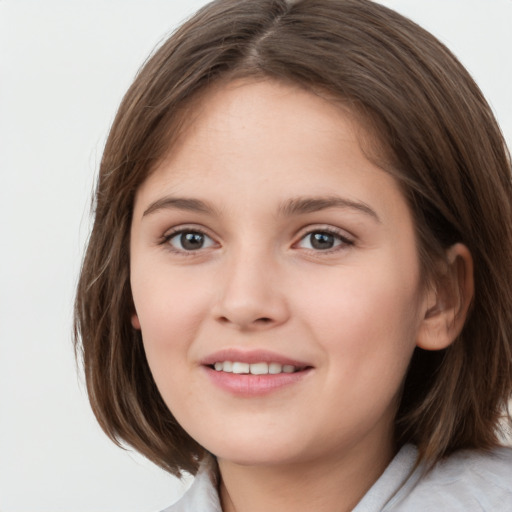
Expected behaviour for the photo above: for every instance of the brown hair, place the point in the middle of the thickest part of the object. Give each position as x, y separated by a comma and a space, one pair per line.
437, 136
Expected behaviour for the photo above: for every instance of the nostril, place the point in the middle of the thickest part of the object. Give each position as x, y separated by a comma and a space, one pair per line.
264, 320
261, 321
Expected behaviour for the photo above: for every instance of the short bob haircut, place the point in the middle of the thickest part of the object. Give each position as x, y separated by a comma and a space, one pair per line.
428, 125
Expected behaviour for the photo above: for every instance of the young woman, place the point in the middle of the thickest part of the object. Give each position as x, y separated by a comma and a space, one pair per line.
299, 278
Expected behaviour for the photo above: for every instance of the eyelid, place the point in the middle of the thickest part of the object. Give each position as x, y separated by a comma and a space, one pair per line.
180, 228
186, 228
346, 238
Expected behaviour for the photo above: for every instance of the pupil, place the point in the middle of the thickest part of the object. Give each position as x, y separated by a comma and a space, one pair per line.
191, 241
322, 240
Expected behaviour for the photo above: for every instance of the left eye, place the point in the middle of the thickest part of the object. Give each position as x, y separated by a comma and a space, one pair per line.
322, 241
190, 241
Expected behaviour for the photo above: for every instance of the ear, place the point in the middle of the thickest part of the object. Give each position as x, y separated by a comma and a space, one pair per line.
446, 306
135, 322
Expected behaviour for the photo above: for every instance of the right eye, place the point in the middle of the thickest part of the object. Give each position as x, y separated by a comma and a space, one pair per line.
190, 240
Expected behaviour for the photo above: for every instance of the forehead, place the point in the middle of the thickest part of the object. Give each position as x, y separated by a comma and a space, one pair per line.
244, 135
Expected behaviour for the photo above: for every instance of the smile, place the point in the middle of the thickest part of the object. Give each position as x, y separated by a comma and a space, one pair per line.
261, 368
250, 373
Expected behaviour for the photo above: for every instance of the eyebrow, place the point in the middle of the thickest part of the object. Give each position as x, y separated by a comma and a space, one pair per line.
303, 205
179, 203
294, 206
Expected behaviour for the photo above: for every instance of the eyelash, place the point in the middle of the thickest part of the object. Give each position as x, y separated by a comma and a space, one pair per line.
342, 238
344, 241
166, 240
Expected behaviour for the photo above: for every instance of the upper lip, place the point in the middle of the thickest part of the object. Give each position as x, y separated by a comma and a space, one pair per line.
251, 356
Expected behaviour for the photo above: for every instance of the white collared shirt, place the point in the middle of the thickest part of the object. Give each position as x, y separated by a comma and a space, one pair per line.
467, 481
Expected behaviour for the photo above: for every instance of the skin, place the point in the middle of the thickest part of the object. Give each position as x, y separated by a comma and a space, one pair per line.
354, 312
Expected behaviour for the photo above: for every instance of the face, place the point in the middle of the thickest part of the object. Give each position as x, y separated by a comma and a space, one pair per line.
276, 280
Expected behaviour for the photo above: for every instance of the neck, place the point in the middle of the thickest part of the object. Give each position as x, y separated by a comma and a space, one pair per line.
333, 485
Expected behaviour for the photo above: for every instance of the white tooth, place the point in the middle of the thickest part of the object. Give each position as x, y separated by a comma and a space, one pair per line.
274, 368
227, 366
259, 368
240, 367
219, 366
288, 368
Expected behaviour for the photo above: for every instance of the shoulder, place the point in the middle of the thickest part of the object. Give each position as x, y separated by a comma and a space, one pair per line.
467, 481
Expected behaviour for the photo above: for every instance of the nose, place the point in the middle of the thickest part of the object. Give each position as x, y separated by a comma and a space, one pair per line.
251, 294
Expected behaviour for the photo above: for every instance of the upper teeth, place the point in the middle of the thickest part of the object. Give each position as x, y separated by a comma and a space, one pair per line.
254, 368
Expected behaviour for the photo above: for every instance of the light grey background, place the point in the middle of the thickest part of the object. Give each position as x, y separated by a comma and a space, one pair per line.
64, 66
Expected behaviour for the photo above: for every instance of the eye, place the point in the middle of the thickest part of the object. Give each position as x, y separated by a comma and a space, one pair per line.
189, 241
323, 240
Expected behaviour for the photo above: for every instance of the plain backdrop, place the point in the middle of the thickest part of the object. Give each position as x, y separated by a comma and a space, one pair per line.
64, 66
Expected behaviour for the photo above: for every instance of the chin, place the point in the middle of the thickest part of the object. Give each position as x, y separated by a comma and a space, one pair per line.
249, 452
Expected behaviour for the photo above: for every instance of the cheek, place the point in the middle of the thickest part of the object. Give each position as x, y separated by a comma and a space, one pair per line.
366, 320
170, 310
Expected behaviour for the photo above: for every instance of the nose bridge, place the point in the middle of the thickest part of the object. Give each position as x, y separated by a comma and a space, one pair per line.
250, 296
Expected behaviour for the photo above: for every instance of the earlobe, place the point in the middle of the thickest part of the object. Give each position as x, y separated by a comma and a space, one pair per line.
135, 322
448, 304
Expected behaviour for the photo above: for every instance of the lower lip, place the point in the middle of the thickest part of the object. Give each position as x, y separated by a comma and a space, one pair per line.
254, 385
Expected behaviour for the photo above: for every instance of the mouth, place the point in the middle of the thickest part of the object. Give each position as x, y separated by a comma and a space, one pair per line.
260, 368
253, 373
